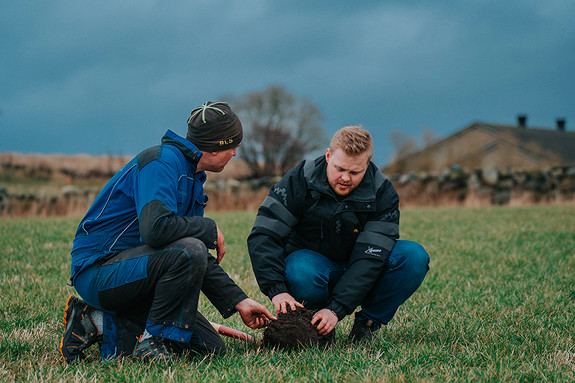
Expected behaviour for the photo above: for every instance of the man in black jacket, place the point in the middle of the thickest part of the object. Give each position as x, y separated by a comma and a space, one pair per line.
327, 236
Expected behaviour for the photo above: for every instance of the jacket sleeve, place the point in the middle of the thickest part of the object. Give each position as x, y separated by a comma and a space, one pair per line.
220, 289
276, 217
369, 255
155, 194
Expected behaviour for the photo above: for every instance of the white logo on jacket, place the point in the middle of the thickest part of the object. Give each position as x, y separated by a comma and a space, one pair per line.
371, 251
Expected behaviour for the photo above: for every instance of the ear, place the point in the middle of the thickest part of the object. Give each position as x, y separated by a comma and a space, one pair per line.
327, 155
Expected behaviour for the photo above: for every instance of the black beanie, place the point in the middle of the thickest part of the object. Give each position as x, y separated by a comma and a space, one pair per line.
214, 127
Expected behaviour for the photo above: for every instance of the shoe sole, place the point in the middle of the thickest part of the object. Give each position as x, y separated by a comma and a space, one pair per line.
64, 350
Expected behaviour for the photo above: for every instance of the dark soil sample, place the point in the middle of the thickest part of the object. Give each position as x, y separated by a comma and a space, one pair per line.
291, 330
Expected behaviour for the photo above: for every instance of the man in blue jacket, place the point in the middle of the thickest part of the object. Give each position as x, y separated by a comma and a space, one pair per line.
327, 236
140, 255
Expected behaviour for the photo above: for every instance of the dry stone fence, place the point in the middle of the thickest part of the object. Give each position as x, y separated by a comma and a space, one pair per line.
68, 186
457, 187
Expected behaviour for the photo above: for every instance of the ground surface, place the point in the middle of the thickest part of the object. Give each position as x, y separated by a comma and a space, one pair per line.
496, 306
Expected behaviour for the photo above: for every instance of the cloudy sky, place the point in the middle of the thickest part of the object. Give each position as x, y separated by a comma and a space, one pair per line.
109, 77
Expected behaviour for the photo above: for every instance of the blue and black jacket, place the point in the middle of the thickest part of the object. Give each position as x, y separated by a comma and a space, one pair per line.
303, 212
153, 200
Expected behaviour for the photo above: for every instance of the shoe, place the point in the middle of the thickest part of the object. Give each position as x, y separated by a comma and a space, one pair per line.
362, 331
153, 349
80, 331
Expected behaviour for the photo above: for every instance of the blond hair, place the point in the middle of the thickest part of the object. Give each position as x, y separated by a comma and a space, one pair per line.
353, 140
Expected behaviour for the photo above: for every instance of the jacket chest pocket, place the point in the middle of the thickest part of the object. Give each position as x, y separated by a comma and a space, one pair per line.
199, 205
191, 198
185, 191
347, 226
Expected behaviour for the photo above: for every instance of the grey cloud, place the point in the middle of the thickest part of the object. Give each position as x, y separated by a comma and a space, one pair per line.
129, 70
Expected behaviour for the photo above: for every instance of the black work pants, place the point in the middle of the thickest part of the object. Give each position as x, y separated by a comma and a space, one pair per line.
156, 289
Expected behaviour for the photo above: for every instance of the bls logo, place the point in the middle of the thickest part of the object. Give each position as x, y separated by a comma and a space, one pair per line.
226, 142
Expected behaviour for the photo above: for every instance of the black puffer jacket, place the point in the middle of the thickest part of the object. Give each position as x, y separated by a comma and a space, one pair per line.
303, 212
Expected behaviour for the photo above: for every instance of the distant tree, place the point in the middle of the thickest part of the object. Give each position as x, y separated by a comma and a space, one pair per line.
405, 145
279, 130
428, 136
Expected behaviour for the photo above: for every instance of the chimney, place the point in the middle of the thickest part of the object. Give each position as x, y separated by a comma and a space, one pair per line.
522, 120
561, 124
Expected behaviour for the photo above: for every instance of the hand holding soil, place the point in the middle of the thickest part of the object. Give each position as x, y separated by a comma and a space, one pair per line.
324, 320
283, 301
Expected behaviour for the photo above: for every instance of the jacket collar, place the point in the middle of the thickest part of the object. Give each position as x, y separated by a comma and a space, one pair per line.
363, 193
189, 150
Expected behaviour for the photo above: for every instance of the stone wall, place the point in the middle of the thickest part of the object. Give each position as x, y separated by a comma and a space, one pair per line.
455, 187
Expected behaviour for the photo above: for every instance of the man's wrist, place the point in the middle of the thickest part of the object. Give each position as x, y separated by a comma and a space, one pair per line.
337, 309
240, 303
276, 290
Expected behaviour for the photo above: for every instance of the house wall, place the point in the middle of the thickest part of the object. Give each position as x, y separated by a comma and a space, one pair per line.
473, 148
459, 149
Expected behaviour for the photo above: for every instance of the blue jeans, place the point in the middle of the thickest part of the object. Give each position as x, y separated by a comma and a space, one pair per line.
312, 276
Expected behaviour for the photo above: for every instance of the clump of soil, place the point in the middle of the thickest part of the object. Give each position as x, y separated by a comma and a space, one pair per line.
291, 330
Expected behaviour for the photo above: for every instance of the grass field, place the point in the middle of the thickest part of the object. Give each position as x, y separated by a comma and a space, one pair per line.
497, 305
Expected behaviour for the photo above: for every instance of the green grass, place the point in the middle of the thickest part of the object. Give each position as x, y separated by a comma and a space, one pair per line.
497, 305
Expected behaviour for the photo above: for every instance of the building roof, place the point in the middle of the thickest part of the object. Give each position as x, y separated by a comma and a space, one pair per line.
553, 142
548, 147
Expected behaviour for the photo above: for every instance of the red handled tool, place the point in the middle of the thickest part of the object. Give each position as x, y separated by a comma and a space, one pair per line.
233, 333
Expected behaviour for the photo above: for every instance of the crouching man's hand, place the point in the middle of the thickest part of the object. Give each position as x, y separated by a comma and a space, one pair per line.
327, 321
254, 314
283, 300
